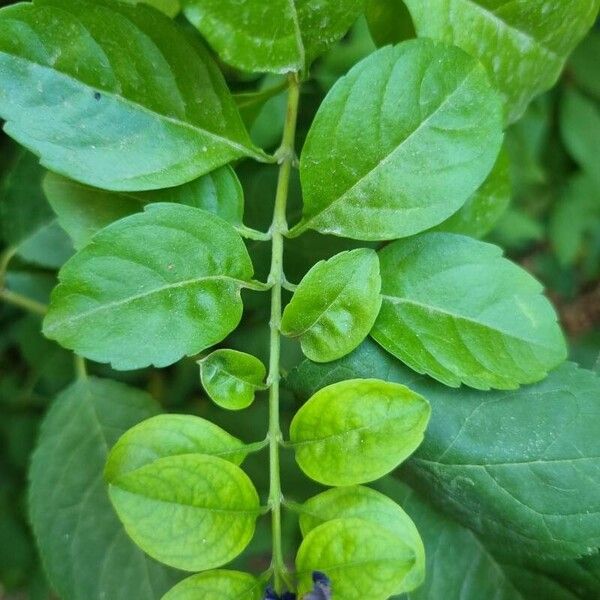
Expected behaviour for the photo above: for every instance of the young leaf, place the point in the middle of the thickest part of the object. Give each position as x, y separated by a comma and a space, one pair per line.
82, 543
231, 378
400, 143
455, 309
113, 95
151, 288
335, 305
480, 213
519, 467
357, 431
364, 503
217, 585
523, 45
278, 36
170, 435
363, 559
192, 511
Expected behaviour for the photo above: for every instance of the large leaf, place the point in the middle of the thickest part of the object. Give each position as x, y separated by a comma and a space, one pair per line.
521, 468
400, 143
455, 309
523, 44
83, 210
114, 95
358, 430
190, 511
335, 305
151, 288
85, 550
217, 585
276, 36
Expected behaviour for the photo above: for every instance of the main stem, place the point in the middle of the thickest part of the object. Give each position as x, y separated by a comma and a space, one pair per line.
276, 278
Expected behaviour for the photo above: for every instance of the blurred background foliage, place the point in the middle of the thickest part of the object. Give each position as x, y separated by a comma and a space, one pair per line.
551, 227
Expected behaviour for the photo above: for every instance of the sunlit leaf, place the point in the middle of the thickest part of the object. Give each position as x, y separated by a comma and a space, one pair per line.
217, 585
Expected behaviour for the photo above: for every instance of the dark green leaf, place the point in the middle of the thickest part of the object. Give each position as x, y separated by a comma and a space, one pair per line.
389, 22
151, 288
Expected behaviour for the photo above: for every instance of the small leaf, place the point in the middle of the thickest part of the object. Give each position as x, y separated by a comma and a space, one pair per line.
151, 288
278, 36
364, 503
114, 96
217, 585
455, 309
192, 511
335, 305
82, 543
84, 210
400, 143
523, 45
362, 559
389, 22
357, 431
231, 378
170, 435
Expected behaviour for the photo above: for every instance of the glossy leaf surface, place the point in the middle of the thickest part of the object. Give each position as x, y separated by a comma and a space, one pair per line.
113, 95
362, 559
523, 45
232, 378
455, 309
151, 288
217, 585
83, 210
192, 511
357, 431
335, 305
80, 538
400, 143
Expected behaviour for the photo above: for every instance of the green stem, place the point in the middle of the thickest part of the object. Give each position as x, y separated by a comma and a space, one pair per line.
23, 302
80, 367
278, 230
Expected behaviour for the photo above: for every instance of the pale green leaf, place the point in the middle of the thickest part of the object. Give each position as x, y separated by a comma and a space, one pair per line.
82, 543
276, 36
357, 431
478, 216
389, 22
335, 305
523, 44
362, 558
84, 210
232, 378
170, 435
192, 511
151, 288
455, 309
400, 143
217, 585
364, 503
114, 96
520, 468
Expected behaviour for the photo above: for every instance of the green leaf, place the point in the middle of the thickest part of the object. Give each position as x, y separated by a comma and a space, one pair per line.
170, 435
192, 511
455, 309
364, 503
357, 431
518, 467
113, 95
389, 22
478, 216
170, 7
583, 64
84, 210
400, 143
217, 585
151, 288
232, 378
278, 36
82, 543
335, 305
362, 559
523, 45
